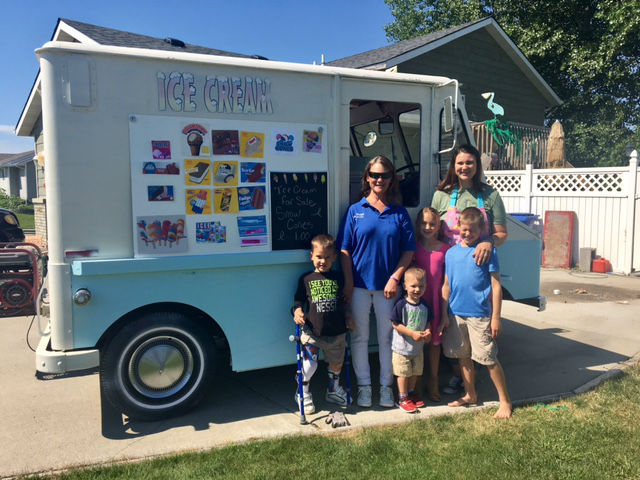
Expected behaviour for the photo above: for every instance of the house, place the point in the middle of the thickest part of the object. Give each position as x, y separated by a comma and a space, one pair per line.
482, 57
18, 175
30, 121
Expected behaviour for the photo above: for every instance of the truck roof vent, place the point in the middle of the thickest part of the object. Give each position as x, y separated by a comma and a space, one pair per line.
174, 42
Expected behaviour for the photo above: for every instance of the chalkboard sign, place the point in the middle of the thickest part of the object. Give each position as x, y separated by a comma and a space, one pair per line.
298, 208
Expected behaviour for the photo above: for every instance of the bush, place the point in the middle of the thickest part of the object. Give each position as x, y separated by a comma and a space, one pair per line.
26, 208
11, 202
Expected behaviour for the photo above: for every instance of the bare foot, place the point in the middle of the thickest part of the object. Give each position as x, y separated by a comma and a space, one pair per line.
504, 411
464, 401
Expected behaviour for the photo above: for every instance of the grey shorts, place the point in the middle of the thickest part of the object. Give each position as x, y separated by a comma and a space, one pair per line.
405, 366
470, 337
333, 347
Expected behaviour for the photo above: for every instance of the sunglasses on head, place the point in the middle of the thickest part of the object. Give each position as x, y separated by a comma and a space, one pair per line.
383, 175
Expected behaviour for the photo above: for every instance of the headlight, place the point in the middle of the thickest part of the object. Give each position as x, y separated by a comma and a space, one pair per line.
82, 296
10, 219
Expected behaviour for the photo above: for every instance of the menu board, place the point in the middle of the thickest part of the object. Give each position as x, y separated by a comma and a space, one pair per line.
298, 208
205, 185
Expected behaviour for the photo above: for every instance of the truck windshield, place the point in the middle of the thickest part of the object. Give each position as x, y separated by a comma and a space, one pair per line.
391, 129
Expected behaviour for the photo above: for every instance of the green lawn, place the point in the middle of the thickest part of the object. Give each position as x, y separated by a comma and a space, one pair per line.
26, 220
594, 436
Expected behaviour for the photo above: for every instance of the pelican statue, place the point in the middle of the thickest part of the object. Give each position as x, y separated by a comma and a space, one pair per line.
491, 105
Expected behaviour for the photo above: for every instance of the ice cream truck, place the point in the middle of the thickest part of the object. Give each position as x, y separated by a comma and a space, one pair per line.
182, 193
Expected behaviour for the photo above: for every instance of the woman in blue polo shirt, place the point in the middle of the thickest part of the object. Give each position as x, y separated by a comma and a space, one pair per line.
377, 246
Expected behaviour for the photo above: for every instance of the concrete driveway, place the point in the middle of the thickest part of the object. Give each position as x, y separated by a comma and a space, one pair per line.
591, 327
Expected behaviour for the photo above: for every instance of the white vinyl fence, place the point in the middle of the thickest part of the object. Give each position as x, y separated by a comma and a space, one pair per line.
605, 201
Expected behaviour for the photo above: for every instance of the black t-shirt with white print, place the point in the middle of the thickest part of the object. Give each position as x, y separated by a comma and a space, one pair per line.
322, 293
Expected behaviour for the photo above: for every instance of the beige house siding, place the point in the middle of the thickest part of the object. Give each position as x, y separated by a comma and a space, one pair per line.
481, 65
40, 203
39, 145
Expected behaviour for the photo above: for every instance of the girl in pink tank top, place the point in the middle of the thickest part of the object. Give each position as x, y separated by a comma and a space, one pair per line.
430, 257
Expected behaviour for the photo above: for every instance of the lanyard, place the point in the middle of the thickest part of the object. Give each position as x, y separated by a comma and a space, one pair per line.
454, 199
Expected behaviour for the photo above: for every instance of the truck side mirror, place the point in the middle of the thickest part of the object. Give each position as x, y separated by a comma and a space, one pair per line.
448, 114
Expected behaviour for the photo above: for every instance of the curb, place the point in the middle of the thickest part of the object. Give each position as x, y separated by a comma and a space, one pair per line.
614, 372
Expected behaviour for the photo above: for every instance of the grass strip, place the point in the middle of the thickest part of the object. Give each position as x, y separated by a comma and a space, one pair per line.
595, 437
26, 220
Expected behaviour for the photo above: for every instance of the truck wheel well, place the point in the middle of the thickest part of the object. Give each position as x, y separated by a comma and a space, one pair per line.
506, 295
207, 321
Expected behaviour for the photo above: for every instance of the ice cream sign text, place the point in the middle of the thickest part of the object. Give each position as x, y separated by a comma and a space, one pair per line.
179, 92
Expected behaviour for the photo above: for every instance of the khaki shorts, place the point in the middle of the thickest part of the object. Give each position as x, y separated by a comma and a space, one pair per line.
333, 347
405, 366
470, 337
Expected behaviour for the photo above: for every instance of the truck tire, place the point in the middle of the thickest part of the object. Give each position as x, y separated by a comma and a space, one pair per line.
158, 366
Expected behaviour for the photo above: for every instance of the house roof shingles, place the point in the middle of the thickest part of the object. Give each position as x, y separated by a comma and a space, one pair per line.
15, 159
379, 56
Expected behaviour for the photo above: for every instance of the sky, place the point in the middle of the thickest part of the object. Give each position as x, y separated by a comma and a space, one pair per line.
286, 30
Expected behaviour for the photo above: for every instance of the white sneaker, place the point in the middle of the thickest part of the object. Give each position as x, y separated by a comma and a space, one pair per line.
309, 407
338, 396
386, 397
364, 396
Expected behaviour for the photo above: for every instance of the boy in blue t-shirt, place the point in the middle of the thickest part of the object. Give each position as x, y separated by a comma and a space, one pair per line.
471, 303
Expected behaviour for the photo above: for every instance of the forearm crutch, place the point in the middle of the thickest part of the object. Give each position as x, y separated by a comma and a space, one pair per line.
347, 367
296, 338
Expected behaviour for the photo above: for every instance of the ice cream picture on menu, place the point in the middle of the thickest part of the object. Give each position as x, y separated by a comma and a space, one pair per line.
197, 172
251, 198
284, 141
252, 144
161, 149
198, 201
196, 140
158, 167
312, 141
225, 200
251, 172
161, 234
225, 142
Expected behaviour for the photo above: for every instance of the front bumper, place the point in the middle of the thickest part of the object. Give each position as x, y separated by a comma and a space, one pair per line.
540, 302
50, 361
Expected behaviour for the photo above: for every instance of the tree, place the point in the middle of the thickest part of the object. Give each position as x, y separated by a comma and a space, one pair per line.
587, 50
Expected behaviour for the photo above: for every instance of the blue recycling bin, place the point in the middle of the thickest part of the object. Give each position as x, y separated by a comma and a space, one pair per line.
531, 220
527, 218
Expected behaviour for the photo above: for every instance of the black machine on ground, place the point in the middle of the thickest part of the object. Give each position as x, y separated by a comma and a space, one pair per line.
22, 269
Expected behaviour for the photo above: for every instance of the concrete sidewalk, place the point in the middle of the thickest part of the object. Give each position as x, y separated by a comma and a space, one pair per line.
591, 327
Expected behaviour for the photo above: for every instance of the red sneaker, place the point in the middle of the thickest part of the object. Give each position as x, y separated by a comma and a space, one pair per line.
407, 405
416, 399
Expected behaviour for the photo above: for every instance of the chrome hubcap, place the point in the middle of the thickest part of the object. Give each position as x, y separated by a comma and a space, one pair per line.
160, 366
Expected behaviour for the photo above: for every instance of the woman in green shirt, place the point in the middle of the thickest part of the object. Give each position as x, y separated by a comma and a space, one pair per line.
463, 187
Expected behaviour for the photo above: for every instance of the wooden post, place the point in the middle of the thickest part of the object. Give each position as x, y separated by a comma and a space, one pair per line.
631, 214
527, 185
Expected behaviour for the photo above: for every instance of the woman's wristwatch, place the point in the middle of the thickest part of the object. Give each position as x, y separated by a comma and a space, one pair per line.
492, 240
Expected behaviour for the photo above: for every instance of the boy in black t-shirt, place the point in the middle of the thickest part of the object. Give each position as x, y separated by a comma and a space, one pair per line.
325, 324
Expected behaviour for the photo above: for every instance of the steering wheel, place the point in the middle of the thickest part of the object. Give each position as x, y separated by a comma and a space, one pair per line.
409, 185
407, 166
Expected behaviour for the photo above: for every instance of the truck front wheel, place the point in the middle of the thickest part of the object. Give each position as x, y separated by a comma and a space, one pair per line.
157, 366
